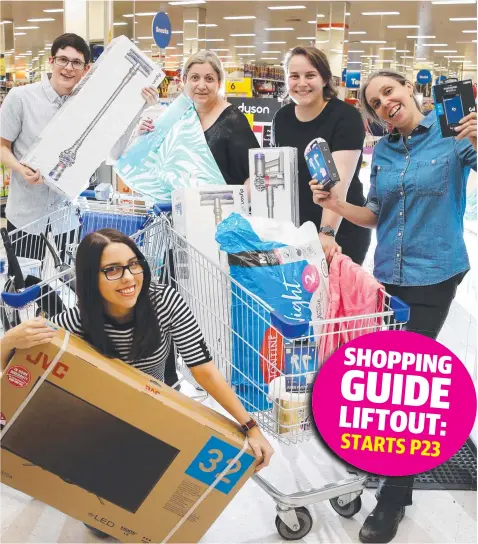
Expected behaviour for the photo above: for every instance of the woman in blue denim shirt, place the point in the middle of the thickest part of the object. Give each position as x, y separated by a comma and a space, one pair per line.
416, 202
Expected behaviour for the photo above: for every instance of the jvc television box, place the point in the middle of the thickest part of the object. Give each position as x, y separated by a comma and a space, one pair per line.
106, 444
93, 118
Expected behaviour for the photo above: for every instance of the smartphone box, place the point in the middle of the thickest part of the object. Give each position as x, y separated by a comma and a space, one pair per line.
111, 446
273, 174
453, 101
97, 113
320, 163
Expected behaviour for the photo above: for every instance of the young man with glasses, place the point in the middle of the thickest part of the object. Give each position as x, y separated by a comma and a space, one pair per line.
25, 112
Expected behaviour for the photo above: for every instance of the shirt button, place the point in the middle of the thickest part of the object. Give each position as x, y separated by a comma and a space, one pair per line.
402, 174
401, 213
398, 254
407, 157
409, 137
379, 168
399, 233
401, 193
434, 161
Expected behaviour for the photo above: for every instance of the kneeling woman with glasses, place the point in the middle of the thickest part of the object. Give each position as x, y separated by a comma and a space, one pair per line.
123, 314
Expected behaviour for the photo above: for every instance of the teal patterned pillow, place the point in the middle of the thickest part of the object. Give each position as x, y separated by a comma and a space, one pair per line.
174, 155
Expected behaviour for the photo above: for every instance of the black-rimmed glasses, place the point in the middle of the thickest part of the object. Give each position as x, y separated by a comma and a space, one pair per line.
64, 61
116, 272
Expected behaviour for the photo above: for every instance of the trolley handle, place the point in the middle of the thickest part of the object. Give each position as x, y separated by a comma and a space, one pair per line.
297, 329
13, 264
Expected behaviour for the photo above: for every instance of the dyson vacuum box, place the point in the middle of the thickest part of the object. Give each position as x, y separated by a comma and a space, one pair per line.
100, 109
273, 178
106, 444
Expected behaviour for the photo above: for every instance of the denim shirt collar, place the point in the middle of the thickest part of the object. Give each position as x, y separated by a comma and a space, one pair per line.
423, 126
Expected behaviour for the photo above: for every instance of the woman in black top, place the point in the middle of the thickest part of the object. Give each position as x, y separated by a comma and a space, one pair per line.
227, 131
316, 112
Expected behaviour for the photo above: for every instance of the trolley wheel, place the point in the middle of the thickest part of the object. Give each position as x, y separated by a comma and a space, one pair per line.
305, 525
349, 510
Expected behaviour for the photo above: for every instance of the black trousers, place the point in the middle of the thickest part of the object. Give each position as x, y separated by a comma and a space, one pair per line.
354, 242
429, 307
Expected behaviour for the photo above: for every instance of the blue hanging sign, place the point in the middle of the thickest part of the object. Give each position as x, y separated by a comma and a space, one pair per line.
344, 74
440, 79
161, 30
424, 77
352, 80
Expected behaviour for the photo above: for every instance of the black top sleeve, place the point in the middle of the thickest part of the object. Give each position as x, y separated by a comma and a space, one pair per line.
349, 131
242, 139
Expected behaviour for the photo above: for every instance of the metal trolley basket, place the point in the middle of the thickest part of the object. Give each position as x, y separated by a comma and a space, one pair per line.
277, 396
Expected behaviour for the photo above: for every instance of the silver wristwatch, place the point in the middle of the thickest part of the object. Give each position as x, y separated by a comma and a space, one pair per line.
329, 231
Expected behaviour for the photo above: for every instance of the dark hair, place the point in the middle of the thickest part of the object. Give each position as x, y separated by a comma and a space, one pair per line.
147, 333
319, 61
368, 110
71, 40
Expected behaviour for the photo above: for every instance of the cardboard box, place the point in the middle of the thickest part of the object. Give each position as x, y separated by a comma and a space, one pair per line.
273, 174
110, 446
453, 101
102, 106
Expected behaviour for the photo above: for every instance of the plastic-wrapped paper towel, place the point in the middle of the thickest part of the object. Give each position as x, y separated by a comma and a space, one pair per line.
174, 155
286, 268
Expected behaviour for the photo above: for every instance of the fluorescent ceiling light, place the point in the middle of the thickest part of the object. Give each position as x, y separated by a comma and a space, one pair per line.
373, 41
177, 31
271, 43
450, 2
323, 41
146, 14
171, 47
285, 7
176, 55
456, 19
380, 13
121, 23
271, 52
434, 45
41, 20
186, 2
219, 50
269, 58
347, 14
128, 15
445, 51
190, 20
207, 25
27, 27
240, 18
402, 51
454, 56
225, 57
145, 37
355, 62
245, 46
279, 29
19, 33
369, 56
406, 57
211, 40
48, 44
308, 38
53, 10
5, 22
248, 54
180, 44
336, 50
463, 31
387, 48
460, 61
421, 37
403, 26
356, 51
421, 58
357, 32
242, 35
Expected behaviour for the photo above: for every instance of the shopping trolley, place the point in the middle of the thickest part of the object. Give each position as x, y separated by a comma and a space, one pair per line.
275, 383
44, 252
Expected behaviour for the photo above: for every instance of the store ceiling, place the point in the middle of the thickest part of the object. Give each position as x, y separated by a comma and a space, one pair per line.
433, 20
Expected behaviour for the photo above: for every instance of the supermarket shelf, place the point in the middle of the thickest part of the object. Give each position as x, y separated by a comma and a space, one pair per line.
268, 79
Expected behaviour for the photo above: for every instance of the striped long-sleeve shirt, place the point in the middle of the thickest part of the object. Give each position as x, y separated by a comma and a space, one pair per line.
175, 320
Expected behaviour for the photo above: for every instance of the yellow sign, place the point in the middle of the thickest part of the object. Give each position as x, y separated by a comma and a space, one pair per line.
2, 65
241, 87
